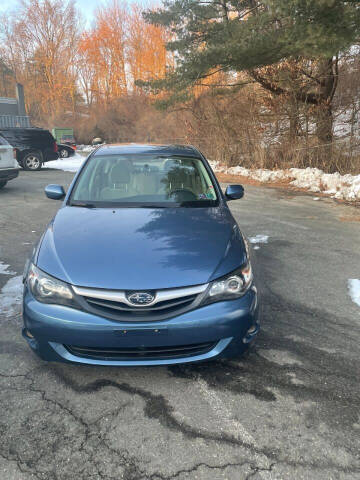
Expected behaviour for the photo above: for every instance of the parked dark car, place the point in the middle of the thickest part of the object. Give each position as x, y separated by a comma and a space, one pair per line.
34, 146
65, 151
143, 264
68, 140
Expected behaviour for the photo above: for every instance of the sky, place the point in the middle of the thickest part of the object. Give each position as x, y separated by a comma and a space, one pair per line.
87, 7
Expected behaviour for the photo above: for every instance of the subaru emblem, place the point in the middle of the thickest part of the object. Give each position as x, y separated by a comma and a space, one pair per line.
141, 298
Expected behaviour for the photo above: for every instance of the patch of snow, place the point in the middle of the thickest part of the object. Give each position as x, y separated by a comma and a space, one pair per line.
259, 239
354, 290
71, 164
11, 296
86, 148
316, 198
344, 187
262, 175
4, 269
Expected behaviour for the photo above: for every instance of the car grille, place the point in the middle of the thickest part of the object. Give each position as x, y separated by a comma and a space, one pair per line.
141, 353
114, 304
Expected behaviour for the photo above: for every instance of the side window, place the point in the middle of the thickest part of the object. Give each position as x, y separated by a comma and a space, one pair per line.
44, 138
4, 139
9, 136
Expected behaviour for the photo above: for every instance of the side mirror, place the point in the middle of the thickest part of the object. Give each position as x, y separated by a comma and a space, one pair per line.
234, 192
55, 192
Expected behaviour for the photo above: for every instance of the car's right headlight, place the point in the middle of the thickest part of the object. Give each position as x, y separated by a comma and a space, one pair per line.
47, 289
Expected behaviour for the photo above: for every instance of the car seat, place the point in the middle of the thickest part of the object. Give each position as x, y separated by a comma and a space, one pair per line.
179, 176
119, 185
147, 182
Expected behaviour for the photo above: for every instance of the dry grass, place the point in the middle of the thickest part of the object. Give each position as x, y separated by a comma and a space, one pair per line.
338, 157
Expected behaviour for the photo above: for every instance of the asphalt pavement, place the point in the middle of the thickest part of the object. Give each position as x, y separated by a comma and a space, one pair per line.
290, 410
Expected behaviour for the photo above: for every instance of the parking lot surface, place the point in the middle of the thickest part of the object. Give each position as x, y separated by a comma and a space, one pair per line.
290, 410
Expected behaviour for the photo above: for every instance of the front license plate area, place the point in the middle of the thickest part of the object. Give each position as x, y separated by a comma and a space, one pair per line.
140, 332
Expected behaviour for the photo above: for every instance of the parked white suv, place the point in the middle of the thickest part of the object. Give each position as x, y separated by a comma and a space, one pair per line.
9, 167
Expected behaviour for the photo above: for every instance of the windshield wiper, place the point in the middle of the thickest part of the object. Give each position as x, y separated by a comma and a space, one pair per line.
82, 204
153, 205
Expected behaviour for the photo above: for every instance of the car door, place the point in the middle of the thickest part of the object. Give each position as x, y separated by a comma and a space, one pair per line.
7, 159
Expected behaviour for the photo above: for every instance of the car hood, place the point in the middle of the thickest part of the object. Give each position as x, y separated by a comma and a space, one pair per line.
141, 248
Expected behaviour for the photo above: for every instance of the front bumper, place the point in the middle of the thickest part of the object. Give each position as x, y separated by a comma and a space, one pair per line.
229, 327
8, 173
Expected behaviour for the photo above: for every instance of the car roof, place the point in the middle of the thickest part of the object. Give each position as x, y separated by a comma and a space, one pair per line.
146, 148
20, 129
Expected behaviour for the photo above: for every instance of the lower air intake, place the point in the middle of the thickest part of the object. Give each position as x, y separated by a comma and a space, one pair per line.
141, 353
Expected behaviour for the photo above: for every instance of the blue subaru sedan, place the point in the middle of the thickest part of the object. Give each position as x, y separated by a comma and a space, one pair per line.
143, 264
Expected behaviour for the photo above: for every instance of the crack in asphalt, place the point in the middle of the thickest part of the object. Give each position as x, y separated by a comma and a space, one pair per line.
157, 407
255, 469
258, 470
19, 463
87, 434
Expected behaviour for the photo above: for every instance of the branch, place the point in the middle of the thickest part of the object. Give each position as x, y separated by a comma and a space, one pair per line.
226, 85
210, 74
277, 90
308, 75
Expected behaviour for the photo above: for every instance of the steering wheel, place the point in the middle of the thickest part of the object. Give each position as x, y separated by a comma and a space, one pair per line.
183, 195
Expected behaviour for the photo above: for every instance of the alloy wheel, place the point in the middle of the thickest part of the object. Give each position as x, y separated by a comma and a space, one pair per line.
32, 162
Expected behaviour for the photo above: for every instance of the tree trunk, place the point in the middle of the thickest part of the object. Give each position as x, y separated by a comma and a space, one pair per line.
324, 123
324, 116
294, 121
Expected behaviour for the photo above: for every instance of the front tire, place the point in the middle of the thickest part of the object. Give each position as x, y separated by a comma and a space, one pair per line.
63, 153
2, 184
32, 162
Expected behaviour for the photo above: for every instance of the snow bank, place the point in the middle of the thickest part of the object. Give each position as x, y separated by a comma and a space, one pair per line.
4, 269
71, 164
11, 296
345, 187
88, 148
85, 148
354, 290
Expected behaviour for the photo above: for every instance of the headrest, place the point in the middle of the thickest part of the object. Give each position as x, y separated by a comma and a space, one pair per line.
171, 164
120, 173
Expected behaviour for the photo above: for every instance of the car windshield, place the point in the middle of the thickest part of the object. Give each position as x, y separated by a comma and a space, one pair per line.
143, 181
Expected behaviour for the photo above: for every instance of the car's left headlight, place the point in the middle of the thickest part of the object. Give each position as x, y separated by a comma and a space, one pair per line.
47, 289
231, 286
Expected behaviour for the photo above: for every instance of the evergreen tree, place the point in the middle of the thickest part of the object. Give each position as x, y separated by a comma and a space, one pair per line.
7, 80
246, 35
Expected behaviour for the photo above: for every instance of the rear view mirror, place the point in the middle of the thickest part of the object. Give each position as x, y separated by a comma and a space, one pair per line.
234, 192
55, 192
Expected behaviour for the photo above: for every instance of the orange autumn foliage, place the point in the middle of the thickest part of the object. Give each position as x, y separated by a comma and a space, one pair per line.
120, 49
102, 50
147, 55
